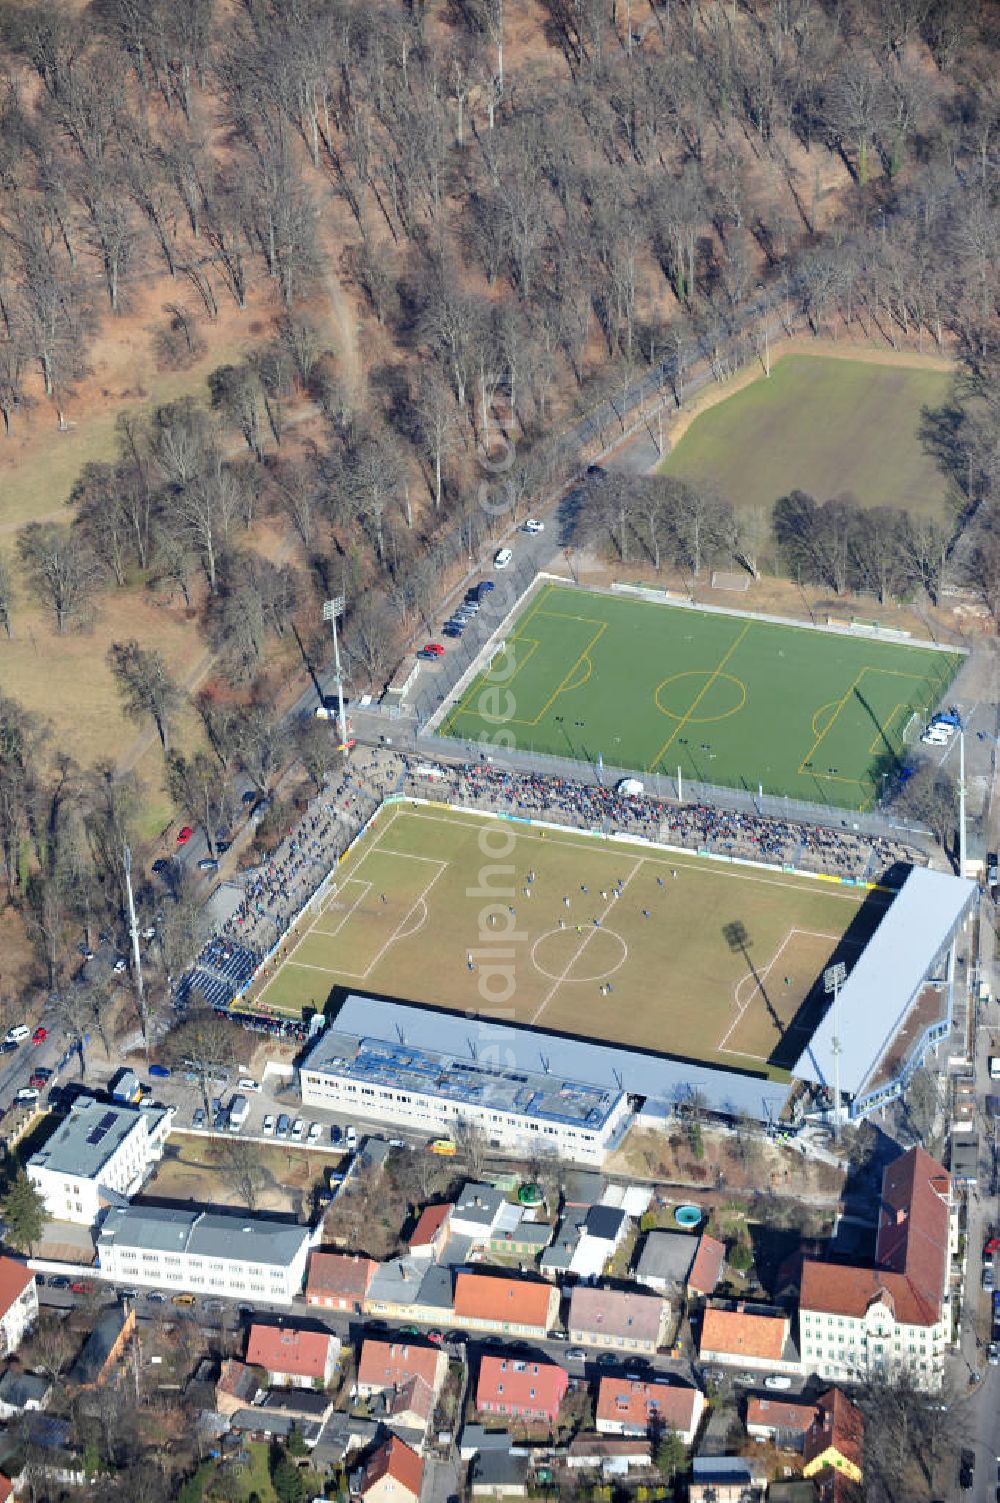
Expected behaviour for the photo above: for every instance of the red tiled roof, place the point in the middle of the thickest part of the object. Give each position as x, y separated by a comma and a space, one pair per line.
236, 1380
281, 1349
707, 1265
6, 1488
432, 1219
511, 1383
911, 1251
913, 1223
339, 1275
391, 1364
625, 1401
741, 1334
837, 1423
780, 1414
14, 1280
394, 1459
615, 1312
515, 1302
415, 1397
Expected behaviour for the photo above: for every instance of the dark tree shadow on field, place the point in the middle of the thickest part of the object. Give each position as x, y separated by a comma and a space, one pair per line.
941, 433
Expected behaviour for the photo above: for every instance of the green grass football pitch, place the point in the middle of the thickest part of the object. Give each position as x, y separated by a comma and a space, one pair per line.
429, 889
825, 426
731, 700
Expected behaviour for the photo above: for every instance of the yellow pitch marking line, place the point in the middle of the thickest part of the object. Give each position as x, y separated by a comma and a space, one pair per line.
517, 636
564, 684
700, 696
840, 703
583, 945
881, 736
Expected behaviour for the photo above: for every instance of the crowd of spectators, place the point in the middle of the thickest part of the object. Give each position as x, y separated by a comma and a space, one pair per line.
276, 892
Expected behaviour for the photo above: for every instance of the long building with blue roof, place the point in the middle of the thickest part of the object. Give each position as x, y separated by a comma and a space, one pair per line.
524, 1090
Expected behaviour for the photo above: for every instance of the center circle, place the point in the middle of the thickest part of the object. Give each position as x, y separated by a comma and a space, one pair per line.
603, 954
713, 695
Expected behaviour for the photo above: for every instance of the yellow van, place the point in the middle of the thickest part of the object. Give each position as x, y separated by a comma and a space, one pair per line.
444, 1146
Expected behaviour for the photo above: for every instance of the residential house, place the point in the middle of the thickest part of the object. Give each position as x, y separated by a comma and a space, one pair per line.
637, 1406
867, 1321
521, 1389
748, 1337
726, 1479
6, 1488
292, 1356
664, 1261
411, 1289
237, 1387
604, 1229
282, 1412
394, 1474
523, 1239
100, 1155
499, 1474
23, 1393
706, 1270
103, 1347
430, 1235
835, 1440
621, 1319
476, 1438
339, 1281
582, 1188
517, 1307
782, 1422
340, 1437
386, 1365
476, 1213
210, 1252
18, 1304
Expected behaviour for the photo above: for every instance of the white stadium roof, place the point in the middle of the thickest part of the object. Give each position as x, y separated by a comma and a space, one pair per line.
887, 976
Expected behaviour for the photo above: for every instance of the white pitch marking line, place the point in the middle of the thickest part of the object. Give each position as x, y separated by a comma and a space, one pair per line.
584, 943
398, 933
366, 888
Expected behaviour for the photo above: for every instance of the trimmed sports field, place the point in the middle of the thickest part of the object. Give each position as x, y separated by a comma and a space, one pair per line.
821, 425
730, 699
688, 956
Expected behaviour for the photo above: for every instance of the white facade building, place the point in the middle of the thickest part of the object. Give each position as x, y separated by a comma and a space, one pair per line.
99, 1156
18, 1304
432, 1092
204, 1252
859, 1322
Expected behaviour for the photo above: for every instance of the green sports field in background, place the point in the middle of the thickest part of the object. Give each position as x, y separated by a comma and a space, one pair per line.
729, 699
825, 426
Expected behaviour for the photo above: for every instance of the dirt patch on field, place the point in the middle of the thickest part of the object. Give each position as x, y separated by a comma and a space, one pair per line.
193, 1170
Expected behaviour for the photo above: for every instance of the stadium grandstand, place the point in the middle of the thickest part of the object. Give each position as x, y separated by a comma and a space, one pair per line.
897, 1002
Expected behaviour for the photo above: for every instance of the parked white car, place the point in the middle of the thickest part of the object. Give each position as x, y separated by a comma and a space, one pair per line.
18, 1034
533, 526
247, 1083
312, 1136
298, 1128
268, 1128
502, 558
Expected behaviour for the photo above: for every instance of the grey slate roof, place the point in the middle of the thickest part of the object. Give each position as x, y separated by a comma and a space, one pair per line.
604, 1222
477, 1205
18, 1388
667, 1256
889, 972
82, 1144
602, 1065
208, 1234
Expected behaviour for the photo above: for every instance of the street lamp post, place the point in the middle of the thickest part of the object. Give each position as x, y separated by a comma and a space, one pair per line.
331, 610
833, 980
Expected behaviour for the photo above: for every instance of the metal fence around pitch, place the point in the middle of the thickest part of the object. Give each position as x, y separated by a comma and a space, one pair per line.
875, 823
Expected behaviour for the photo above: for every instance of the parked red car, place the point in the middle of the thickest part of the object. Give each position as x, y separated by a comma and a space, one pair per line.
81, 1286
435, 649
992, 1246
39, 1036
184, 834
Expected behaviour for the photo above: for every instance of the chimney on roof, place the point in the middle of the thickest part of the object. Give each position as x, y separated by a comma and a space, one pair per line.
476, 1201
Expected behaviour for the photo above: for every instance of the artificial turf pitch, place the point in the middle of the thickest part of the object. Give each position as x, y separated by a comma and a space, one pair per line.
420, 909
730, 699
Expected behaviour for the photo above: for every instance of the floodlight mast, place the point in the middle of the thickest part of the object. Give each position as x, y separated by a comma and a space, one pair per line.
833, 980
331, 610
961, 799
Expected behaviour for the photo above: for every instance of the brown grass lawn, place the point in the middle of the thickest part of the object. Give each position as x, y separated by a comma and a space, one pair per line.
191, 1172
677, 987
